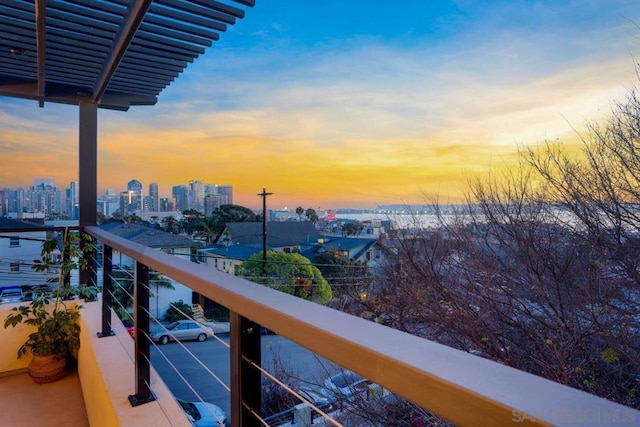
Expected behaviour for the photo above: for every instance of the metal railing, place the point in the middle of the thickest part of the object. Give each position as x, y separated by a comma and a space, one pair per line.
455, 385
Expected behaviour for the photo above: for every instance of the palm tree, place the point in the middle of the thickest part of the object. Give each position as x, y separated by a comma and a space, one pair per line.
311, 215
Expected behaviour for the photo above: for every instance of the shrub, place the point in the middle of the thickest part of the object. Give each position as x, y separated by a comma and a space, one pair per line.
176, 310
219, 314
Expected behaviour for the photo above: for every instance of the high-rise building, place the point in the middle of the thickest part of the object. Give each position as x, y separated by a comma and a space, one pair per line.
180, 194
71, 202
4, 201
226, 194
135, 202
109, 202
18, 200
216, 196
166, 205
43, 197
154, 198
127, 202
211, 203
196, 195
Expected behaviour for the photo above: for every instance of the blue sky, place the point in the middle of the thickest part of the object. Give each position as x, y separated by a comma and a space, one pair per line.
353, 103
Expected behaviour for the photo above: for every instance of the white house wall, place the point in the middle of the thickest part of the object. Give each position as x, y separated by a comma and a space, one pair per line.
161, 297
21, 256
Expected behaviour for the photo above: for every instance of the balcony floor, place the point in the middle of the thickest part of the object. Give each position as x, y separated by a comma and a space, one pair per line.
25, 403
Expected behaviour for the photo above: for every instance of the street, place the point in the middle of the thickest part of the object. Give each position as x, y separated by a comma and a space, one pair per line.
186, 376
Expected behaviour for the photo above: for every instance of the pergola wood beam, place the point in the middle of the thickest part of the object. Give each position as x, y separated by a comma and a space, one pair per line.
132, 20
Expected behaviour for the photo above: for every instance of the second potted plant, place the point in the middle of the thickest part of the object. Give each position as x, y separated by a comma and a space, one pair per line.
54, 314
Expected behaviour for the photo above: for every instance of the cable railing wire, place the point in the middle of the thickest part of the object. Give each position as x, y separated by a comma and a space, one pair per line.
177, 371
173, 367
122, 287
212, 374
268, 374
206, 368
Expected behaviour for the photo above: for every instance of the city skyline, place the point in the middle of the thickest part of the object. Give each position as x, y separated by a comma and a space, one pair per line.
344, 105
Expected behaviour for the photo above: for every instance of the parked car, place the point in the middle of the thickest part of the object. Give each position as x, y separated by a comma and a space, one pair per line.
11, 294
316, 397
182, 330
345, 384
30, 292
204, 414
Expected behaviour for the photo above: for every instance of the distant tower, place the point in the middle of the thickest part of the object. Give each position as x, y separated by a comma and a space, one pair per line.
135, 201
44, 197
196, 200
72, 200
154, 198
181, 195
226, 194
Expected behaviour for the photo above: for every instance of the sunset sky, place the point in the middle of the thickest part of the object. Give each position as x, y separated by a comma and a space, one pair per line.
352, 103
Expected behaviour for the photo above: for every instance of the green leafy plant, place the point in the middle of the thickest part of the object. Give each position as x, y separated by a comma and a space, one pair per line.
178, 310
218, 314
57, 330
53, 314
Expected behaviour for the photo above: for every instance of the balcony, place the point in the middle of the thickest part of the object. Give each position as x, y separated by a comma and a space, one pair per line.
460, 387
115, 383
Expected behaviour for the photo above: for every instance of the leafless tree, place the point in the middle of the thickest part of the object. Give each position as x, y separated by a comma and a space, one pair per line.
541, 271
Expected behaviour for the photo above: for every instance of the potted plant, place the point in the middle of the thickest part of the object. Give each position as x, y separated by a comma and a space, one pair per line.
54, 314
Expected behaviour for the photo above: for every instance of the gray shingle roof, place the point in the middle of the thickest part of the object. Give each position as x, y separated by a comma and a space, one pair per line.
7, 223
147, 236
279, 234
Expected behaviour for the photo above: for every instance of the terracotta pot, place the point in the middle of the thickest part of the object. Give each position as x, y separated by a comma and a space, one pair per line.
46, 369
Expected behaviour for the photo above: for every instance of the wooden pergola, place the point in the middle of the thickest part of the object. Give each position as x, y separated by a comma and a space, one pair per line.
103, 54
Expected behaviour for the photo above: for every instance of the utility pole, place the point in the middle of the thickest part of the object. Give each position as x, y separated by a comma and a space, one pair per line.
264, 195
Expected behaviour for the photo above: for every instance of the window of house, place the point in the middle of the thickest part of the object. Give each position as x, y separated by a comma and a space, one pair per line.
14, 242
15, 267
287, 250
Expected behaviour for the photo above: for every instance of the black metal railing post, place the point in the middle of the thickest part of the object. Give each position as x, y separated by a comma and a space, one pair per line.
107, 289
142, 345
246, 381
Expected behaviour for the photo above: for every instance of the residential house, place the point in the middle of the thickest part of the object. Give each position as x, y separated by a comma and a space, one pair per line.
173, 244
226, 257
19, 246
240, 240
365, 250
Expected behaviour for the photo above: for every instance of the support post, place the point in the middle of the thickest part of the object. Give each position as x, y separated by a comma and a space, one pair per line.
107, 289
246, 385
264, 195
142, 354
88, 177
